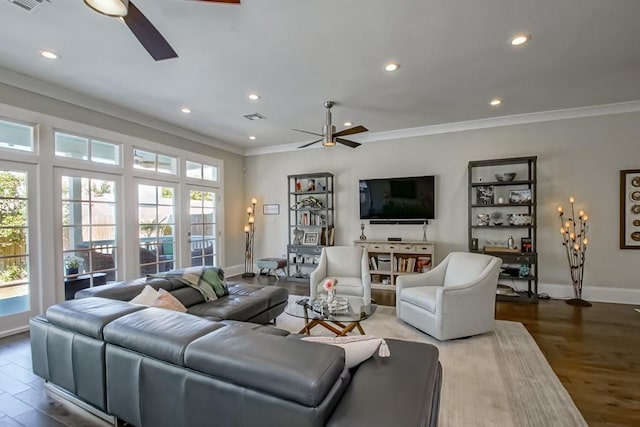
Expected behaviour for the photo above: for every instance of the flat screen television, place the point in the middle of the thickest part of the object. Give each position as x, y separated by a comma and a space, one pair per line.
410, 198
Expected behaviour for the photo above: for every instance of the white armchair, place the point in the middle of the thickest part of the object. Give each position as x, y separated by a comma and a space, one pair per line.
350, 266
456, 299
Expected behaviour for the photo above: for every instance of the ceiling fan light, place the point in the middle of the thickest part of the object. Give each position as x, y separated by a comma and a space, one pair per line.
328, 143
117, 8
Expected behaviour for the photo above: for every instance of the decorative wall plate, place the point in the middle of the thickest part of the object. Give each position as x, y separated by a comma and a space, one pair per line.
636, 222
635, 196
636, 181
635, 236
635, 209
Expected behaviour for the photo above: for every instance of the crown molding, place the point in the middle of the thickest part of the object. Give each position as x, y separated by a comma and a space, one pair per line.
518, 119
59, 93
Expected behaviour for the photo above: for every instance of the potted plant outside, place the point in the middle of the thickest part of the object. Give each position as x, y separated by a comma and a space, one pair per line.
72, 264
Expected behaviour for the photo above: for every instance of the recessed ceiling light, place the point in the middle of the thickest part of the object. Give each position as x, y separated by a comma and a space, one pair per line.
495, 102
392, 66
253, 96
185, 110
348, 123
252, 137
49, 55
520, 39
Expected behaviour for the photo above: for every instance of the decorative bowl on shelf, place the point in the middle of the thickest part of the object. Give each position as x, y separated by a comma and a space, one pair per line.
520, 219
506, 177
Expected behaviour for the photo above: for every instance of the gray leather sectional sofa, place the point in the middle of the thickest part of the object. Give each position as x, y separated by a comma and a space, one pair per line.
155, 367
247, 303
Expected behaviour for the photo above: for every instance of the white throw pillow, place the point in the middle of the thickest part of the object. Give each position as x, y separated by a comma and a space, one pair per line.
357, 349
146, 297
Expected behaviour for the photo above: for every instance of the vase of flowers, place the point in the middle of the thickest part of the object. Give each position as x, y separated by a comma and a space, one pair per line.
72, 264
574, 239
329, 285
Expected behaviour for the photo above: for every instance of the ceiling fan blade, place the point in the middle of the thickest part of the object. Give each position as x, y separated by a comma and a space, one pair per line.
310, 133
148, 35
351, 131
311, 143
348, 143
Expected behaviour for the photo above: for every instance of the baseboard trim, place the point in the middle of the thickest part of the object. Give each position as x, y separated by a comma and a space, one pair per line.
14, 331
593, 294
233, 270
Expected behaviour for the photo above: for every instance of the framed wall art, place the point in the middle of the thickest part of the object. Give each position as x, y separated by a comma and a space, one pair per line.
271, 209
630, 209
310, 238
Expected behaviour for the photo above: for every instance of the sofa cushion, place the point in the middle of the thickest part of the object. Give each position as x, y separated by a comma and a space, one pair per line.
290, 369
264, 329
90, 315
422, 296
232, 307
273, 294
159, 333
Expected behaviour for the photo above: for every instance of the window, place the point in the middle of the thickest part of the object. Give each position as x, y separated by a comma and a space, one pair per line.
89, 226
202, 171
81, 148
155, 162
156, 222
14, 250
16, 136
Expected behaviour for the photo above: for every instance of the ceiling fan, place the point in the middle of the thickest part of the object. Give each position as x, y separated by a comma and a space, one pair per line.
140, 26
329, 134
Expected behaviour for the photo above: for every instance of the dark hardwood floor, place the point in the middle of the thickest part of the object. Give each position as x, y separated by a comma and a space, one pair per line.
595, 351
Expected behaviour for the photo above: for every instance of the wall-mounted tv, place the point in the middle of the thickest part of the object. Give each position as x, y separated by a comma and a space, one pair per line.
410, 198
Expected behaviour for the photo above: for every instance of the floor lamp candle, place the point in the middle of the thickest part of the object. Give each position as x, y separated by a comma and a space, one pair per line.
574, 240
249, 232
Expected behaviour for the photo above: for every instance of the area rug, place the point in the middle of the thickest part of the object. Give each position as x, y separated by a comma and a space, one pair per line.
495, 379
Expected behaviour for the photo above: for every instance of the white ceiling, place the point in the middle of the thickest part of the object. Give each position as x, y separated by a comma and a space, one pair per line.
454, 58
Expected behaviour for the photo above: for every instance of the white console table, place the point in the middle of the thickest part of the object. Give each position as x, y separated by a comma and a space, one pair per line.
388, 260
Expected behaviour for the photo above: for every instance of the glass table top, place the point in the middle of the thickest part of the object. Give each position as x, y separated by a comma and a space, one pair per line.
344, 310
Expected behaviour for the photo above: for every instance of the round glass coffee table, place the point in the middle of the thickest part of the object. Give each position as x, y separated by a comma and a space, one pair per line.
340, 318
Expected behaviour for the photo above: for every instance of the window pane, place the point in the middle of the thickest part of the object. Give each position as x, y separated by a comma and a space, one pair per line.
194, 170
167, 164
16, 136
144, 160
71, 146
147, 194
104, 152
209, 172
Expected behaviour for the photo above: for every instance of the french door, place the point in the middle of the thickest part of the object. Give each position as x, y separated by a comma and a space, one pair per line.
203, 226
19, 294
90, 221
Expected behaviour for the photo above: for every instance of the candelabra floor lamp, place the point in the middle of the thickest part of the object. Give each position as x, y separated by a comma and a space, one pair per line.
249, 238
574, 239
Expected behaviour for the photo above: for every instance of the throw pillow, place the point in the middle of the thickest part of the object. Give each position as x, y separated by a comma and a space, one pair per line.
357, 349
168, 301
146, 297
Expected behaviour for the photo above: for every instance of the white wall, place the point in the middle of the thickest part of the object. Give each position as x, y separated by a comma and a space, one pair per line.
580, 157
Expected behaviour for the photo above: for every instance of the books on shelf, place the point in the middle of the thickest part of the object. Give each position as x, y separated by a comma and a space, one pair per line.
412, 264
